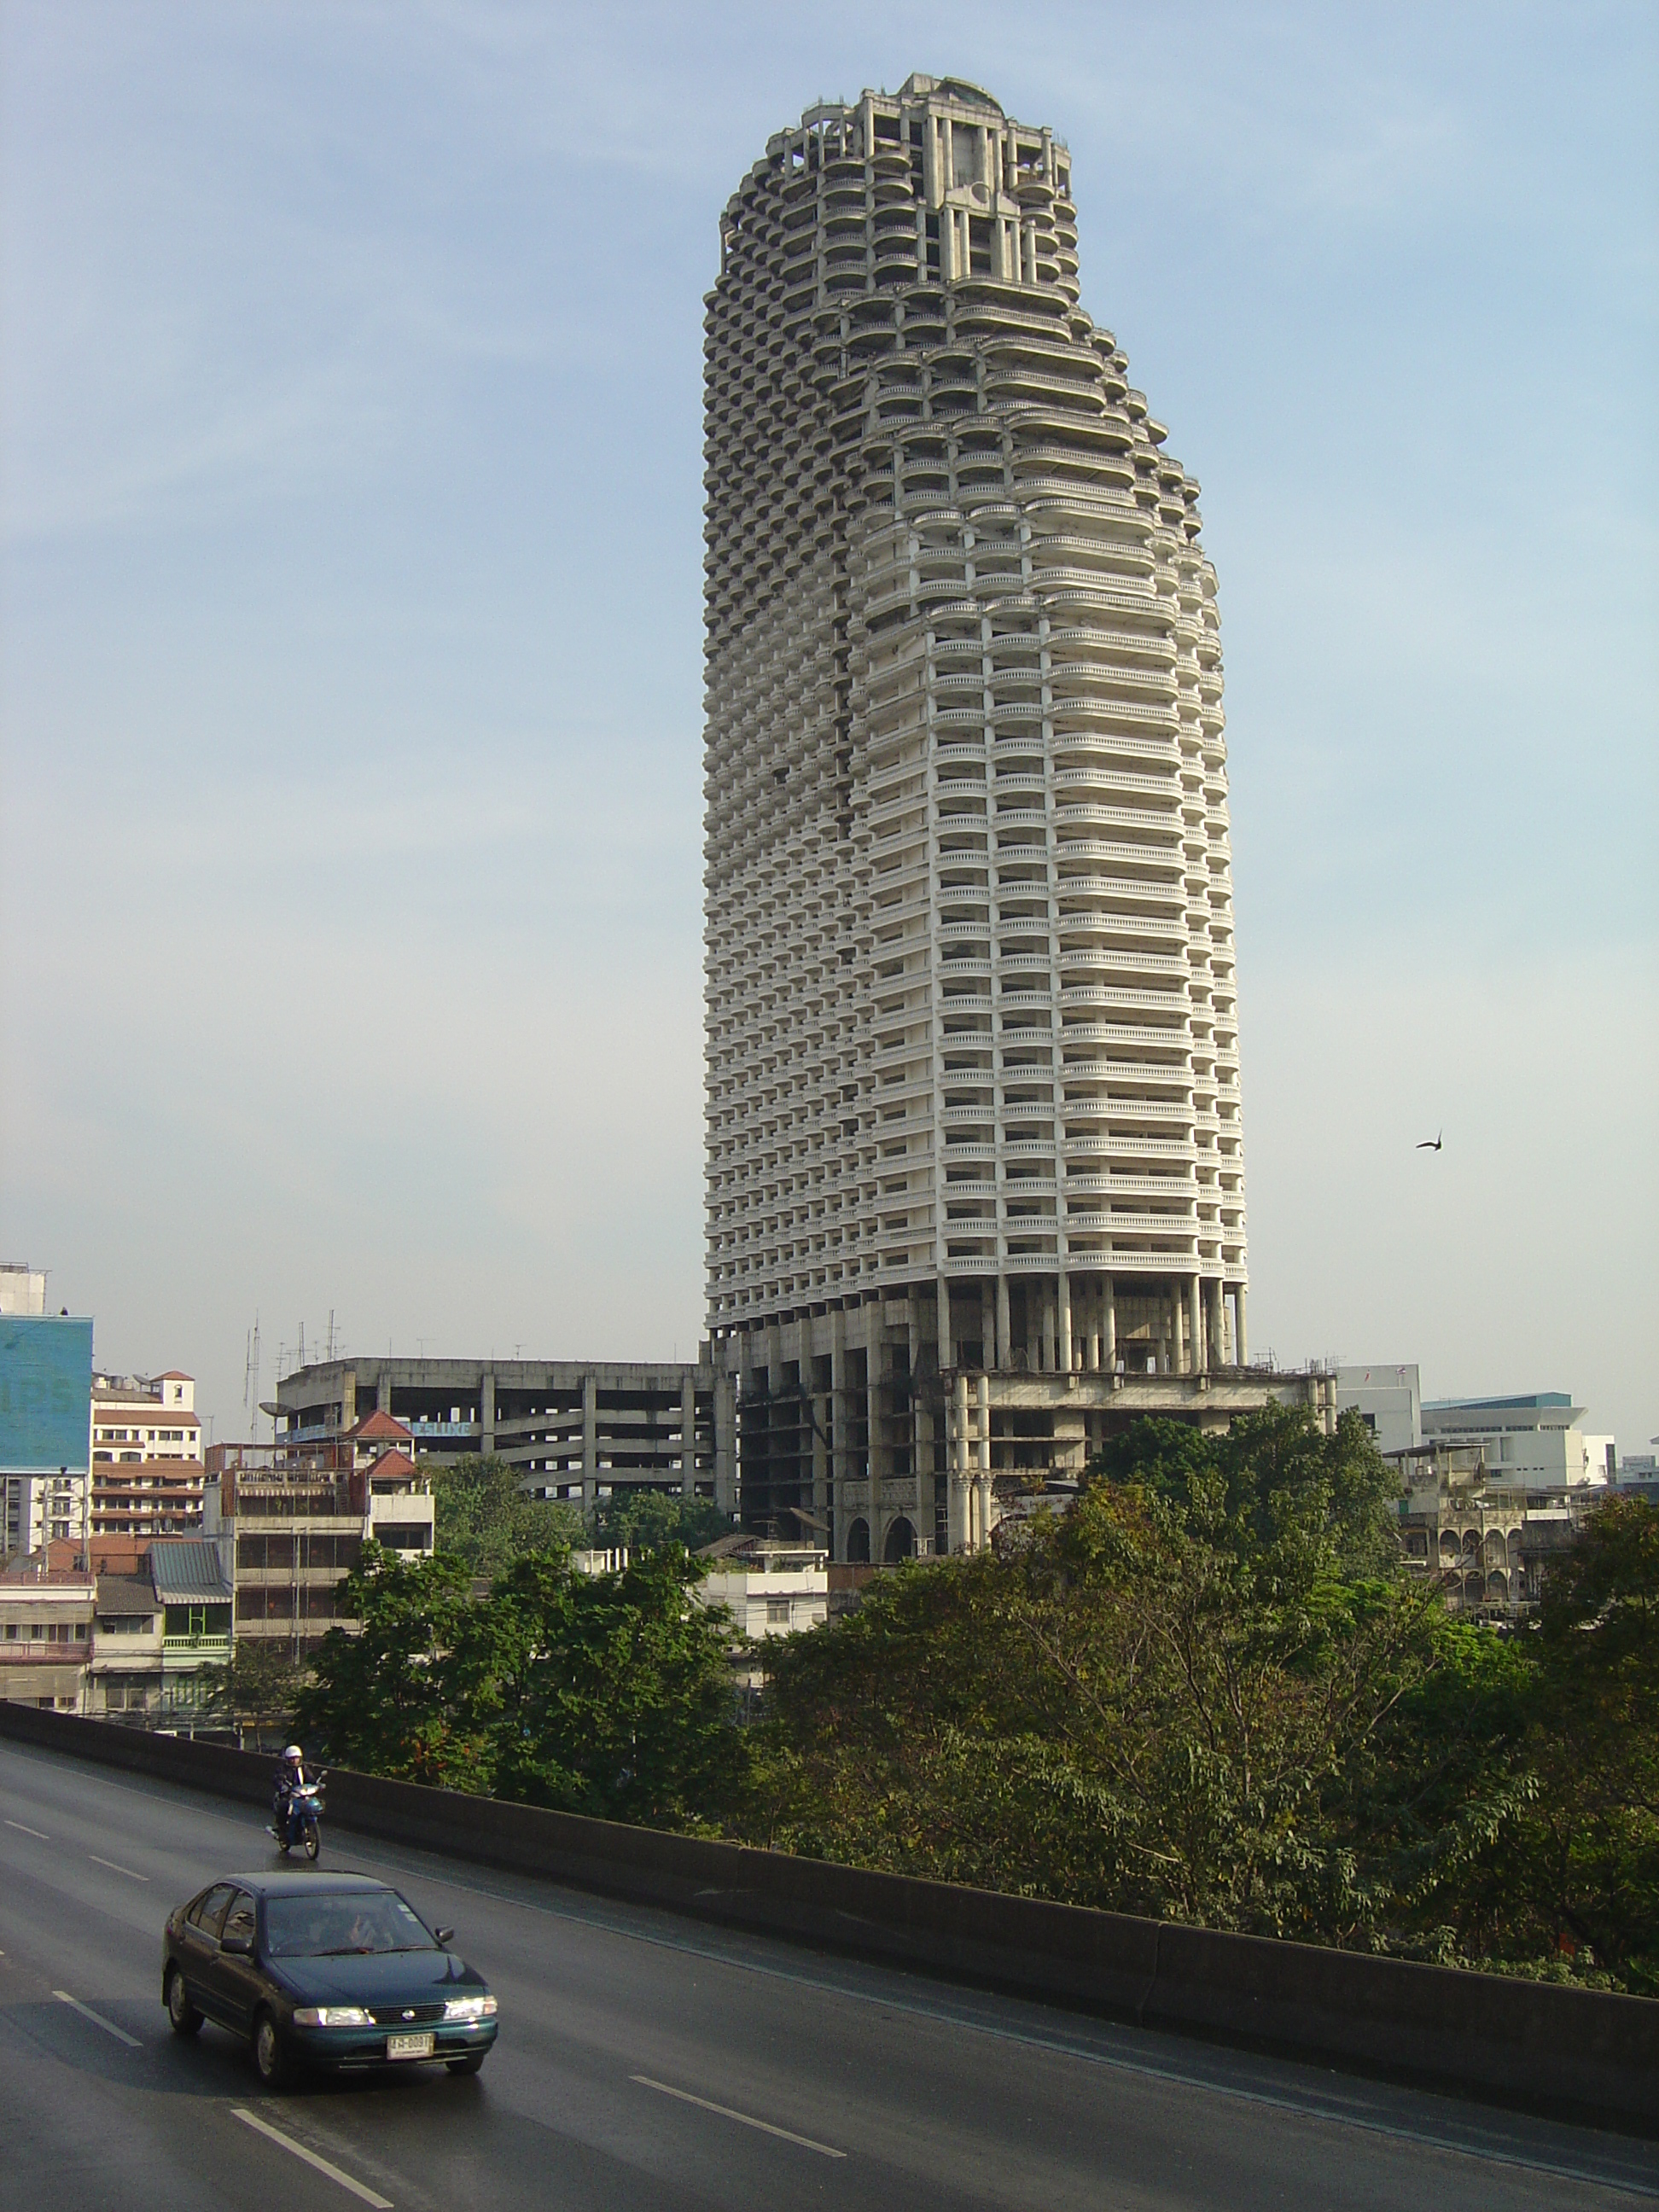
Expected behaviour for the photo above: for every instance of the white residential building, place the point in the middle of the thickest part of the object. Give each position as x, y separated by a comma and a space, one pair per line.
768, 1589
147, 1470
973, 1099
1534, 1441
1389, 1402
22, 1288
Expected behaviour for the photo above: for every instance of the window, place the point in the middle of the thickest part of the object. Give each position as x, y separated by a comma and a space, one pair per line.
240, 1920
777, 1612
208, 1909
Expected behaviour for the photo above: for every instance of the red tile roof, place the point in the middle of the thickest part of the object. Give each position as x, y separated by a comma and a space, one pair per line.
378, 1427
393, 1462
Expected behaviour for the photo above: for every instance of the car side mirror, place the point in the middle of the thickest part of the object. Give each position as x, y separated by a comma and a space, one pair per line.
237, 1947
445, 1934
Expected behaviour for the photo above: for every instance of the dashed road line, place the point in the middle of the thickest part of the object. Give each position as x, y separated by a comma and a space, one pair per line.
114, 1868
97, 2019
747, 2119
25, 1829
311, 2157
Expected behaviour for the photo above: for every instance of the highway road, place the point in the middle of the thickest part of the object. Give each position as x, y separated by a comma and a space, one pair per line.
650, 2062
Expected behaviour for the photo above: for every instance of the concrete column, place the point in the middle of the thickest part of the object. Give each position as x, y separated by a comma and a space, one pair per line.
725, 1437
1064, 1344
947, 1351
487, 1412
348, 1398
987, 1327
1005, 1330
1108, 1324
688, 1436
1215, 1344
1047, 1329
383, 1391
1197, 1362
590, 1440
1241, 1335
838, 1468
958, 1507
878, 1465
1177, 1348
982, 1473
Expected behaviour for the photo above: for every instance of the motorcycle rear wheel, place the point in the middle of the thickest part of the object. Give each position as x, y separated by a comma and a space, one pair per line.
313, 1842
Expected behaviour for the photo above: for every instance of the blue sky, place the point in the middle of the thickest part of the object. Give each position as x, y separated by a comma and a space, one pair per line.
349, 832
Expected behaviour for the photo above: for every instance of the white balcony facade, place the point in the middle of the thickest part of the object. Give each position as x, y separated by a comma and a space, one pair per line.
972, 1023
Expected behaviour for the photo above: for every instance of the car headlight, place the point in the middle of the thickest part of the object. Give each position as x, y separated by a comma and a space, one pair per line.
331, 2017
470, 2008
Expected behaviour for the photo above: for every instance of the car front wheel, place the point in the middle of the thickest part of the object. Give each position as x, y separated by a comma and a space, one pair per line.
473, 2063
182, 2016
270, 2058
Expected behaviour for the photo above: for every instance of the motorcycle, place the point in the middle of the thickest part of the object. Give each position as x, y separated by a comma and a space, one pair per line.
305, 1811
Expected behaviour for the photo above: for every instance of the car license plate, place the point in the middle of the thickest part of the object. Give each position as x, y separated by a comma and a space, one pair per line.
409, 2046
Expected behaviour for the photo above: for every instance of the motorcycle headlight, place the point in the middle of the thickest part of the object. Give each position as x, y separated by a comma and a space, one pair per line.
470, 2008
331, 2017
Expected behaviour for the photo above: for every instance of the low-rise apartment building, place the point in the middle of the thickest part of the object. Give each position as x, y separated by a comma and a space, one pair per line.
290, 1522
46, 1632
769, 1589
1489, 1538
147, 1466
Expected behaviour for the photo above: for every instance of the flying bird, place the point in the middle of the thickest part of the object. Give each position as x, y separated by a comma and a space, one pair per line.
1431, 1143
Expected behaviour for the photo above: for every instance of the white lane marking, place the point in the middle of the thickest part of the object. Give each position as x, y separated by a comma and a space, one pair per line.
114, 1868
726, 2113
1305, 2105
27, 1831
97, 2019
311, 2158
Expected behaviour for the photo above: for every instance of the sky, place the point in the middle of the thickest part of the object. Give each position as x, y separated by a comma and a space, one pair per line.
350, 686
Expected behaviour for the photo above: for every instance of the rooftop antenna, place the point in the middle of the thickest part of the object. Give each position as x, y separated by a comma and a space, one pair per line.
302, 1344
330, 1336
251, 1381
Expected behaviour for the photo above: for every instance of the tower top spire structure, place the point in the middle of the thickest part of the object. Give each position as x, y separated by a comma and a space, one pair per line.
973, 1104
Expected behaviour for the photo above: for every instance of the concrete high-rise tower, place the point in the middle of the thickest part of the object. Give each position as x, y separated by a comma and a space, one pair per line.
975, 1158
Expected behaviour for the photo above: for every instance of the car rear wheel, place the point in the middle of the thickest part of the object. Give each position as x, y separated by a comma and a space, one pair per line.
473, 2063
270, 2056
182, 2016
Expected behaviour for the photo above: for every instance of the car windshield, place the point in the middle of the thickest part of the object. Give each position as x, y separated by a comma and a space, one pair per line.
333, 1927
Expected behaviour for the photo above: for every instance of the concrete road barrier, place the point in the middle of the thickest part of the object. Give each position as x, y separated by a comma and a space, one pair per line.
1574, 2053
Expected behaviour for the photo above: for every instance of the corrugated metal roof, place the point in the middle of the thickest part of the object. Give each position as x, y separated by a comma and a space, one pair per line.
187, 1567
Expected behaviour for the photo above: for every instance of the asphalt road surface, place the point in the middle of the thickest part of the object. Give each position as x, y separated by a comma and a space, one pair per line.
650, 2062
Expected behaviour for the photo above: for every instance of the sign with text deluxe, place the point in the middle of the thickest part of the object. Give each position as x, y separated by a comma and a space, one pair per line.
45, 1392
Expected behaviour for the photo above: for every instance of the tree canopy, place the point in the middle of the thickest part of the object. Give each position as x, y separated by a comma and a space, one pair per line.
608, 1694
487, 1519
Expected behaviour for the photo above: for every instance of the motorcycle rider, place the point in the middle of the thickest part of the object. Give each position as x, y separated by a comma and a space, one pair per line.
290, 1776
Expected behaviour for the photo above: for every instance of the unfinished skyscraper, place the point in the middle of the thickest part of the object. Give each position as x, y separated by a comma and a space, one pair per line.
974, 1159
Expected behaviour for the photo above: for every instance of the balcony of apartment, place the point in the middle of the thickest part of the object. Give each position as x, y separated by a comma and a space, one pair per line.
36, 1651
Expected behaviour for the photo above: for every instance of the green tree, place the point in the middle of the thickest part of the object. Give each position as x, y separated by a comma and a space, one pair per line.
652, 1520
257, 1687
379, 1699
487, 1519
1149, 1705
1590, 1837
610, 1694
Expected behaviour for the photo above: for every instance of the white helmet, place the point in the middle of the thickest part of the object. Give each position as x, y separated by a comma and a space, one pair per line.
295, 1752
